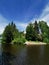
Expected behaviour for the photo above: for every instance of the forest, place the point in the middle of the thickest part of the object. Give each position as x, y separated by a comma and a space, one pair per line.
37, 31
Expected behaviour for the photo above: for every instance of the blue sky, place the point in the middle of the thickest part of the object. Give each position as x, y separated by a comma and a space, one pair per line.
22, 12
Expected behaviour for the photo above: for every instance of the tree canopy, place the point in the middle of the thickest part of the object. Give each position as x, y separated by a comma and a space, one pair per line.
9, 33
30, 33
37, 31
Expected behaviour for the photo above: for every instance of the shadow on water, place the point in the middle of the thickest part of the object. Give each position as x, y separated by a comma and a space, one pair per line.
25, 55
13, 54
0, 55
7, 55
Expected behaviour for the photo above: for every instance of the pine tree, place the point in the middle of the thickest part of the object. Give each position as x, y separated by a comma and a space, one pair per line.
30, 34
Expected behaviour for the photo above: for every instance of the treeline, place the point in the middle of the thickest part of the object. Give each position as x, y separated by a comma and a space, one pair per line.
38, 31
12, 35
34, 32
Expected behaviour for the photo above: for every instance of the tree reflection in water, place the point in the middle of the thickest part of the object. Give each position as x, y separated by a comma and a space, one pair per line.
7, 55
27, 55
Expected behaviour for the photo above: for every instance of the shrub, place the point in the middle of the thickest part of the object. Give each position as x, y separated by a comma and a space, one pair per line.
39, 37
46, 40
19, 40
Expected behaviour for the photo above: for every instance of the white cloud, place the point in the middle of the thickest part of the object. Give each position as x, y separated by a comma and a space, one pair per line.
21, 25
3, 23
44, 15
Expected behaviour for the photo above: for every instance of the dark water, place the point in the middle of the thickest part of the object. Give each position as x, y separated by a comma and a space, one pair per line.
24, 55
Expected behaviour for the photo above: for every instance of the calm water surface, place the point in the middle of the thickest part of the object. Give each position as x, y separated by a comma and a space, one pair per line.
24, 55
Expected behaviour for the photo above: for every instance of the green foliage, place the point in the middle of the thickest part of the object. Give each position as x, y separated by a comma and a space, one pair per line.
44, 28
9, 33
45, 31
0, 35
33, 33
30, 33
46, 40
14, 30
36, 27
12, 34
39, 37
19, 40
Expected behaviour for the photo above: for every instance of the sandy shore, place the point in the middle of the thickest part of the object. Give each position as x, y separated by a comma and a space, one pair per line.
34, 43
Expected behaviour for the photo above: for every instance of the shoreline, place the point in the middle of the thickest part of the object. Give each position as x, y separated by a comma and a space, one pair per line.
34, 43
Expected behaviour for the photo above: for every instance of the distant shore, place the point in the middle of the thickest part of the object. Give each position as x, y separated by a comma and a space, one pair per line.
34, 43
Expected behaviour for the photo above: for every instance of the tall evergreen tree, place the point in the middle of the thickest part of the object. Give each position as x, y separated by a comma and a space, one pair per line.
36, 27
7, 34
10, 33
30, 34
44, 28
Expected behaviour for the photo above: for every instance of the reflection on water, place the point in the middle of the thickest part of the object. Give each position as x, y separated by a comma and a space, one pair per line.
7, 55
0, 55
25, 55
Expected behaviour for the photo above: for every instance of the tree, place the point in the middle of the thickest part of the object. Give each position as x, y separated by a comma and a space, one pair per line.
30, 33
36, 29
14, 30
10, 33
45, 30
7, 35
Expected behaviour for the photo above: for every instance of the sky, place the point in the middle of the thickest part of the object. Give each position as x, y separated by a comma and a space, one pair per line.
22, 12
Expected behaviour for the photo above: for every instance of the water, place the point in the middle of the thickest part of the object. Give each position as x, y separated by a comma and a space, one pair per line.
24, 55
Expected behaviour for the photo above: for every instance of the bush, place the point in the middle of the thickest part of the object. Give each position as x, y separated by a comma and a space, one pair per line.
9, 33
46, 40
19, 40
39, 37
